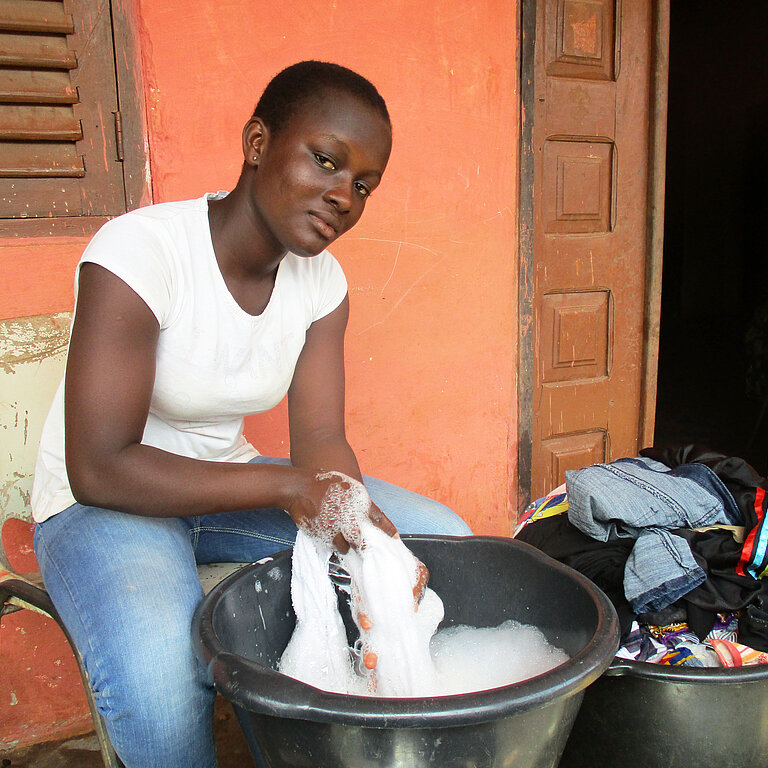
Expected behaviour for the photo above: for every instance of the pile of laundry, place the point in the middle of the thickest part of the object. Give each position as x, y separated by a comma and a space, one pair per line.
677, 538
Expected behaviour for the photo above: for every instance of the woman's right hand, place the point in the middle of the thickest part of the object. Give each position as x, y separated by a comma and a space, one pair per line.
330, 505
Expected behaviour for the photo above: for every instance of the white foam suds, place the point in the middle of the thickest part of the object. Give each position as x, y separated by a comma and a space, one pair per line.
469, 659
344, 506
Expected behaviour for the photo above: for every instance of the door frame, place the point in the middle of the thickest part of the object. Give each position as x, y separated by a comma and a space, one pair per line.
527, 9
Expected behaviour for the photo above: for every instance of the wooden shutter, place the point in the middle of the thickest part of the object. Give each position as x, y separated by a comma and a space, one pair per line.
58, 100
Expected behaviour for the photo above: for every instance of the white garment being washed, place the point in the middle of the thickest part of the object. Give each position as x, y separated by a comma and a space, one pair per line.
317, 653
384, 573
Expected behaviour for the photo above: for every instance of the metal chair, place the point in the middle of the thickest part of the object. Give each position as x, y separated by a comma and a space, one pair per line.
32, 360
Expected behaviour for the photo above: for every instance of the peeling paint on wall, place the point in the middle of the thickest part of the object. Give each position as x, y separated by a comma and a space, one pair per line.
32, 358
41, 697
30, 339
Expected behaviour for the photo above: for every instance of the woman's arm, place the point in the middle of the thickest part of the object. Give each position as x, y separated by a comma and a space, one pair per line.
316, 406
316, 399
109, 381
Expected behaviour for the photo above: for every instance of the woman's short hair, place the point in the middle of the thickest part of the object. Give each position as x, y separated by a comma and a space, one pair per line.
290, 90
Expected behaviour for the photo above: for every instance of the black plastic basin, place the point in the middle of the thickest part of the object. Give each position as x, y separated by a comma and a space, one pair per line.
651, 715
244, 624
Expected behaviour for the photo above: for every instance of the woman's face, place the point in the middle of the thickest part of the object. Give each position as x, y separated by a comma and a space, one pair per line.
313, 177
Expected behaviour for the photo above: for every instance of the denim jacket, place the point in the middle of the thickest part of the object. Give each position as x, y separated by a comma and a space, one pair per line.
643, 499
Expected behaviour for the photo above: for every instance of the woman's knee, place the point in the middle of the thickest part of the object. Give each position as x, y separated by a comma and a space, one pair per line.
413, 513
432, 517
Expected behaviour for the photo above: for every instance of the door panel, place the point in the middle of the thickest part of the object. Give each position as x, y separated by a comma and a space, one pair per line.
589, 149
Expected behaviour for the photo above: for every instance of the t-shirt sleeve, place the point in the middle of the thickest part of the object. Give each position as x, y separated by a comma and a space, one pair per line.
136, 252
331, 287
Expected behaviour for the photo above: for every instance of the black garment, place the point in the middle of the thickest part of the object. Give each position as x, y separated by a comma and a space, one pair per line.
717, 553
602, 562
674, 613
753, 624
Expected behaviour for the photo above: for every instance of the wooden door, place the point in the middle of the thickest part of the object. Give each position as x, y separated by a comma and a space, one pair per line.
591, 183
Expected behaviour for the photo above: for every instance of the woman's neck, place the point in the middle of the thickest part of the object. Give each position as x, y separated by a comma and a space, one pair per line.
243, 249
247, 262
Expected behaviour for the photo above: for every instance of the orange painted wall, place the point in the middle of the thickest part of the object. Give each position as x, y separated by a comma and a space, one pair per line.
431, 352
432, 266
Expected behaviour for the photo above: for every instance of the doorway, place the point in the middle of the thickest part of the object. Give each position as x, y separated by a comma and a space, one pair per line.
713, 351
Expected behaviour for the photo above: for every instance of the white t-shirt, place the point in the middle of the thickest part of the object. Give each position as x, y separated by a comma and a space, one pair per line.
215, 363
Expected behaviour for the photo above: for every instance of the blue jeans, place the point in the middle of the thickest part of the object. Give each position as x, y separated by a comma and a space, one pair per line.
126, 587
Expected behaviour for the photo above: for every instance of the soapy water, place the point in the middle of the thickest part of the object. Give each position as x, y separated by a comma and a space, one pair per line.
399, 652
477, 659
469, 659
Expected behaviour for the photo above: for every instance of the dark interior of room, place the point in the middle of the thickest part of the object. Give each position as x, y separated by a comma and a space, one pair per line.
713, 356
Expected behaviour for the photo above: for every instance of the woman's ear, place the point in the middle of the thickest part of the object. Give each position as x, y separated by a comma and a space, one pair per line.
254, 136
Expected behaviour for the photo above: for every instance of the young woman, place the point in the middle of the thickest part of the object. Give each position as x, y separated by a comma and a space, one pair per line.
190, 316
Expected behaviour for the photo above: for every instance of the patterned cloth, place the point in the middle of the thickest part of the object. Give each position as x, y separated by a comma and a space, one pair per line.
640, 645
678, 646
554, 503
726, 627
737, 655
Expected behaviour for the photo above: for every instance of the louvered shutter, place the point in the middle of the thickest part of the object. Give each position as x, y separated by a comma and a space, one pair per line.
58, 154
